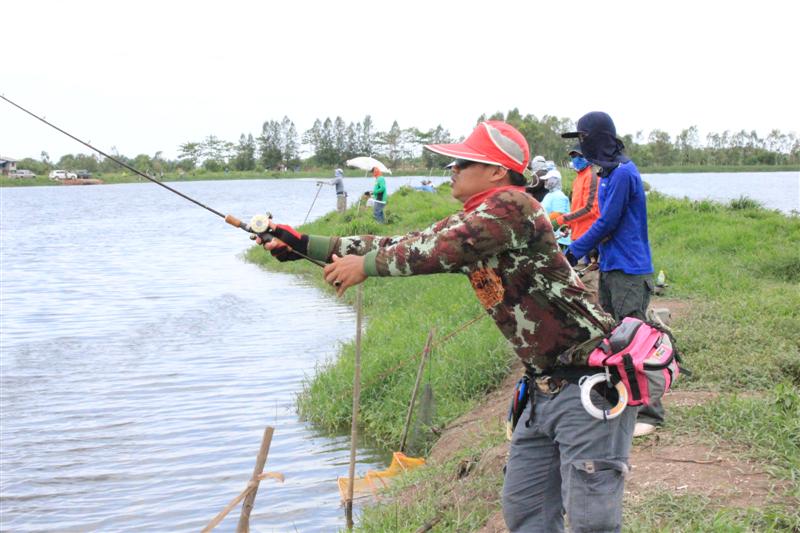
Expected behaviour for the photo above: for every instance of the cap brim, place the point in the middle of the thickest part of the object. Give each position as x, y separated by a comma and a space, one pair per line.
572, 134
460, 151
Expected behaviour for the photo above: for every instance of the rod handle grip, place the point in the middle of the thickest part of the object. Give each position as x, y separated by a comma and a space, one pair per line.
233, 221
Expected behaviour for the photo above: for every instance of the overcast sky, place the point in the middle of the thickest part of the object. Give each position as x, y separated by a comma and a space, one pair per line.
147, 76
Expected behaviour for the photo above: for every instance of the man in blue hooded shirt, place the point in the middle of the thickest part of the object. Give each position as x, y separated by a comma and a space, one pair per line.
620, 234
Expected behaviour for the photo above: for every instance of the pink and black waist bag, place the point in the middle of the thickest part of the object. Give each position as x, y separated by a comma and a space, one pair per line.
642, 356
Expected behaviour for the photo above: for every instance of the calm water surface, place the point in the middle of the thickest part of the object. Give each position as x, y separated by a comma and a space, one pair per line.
774, 190
141, 359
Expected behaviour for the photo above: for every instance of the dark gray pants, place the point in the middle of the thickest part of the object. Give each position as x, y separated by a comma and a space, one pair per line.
624, 295
567, 461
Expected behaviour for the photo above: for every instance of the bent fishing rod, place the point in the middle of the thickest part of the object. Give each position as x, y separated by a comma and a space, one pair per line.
258, 226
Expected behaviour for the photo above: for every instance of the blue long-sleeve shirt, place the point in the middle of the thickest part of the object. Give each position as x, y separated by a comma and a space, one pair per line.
620, 234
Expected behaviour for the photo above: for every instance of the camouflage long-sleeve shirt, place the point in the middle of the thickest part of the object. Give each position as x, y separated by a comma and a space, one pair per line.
504, 243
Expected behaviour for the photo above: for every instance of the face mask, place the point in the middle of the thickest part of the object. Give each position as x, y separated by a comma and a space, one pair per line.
579, 163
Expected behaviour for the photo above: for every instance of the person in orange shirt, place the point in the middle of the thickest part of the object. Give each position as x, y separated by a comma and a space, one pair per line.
584, 208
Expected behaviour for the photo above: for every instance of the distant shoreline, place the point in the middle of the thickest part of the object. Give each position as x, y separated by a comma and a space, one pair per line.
325, 174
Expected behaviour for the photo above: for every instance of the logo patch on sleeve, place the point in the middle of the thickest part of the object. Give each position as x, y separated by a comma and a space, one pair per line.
488, 287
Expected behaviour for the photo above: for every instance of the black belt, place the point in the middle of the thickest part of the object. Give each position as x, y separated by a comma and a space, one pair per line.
570, 374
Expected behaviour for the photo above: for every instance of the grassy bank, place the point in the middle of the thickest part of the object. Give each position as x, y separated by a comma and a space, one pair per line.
736, 266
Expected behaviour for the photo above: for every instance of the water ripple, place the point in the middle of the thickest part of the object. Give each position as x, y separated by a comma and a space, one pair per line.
137, 374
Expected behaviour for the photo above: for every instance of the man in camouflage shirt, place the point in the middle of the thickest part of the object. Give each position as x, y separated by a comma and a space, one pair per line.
503, 241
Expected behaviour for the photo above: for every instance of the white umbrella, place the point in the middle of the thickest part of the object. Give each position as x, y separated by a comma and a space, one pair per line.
368, 163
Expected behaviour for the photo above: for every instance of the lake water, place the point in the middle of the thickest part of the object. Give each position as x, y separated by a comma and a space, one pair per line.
141, 359
774, 190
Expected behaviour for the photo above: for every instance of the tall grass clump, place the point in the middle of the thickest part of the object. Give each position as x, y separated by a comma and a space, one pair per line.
739, 266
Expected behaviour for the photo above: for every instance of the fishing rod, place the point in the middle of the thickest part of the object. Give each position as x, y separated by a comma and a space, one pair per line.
259, 224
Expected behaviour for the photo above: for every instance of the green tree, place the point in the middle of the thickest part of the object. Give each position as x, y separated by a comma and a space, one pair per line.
395, 144
339, 139
40, 168
290, 146
661, 148
269, 145
352, 134
326, 153
437, 135
189, 153
688, 143
366, 142
245, 158
143, 163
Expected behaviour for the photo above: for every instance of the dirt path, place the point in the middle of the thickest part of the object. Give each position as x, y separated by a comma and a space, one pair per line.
683, 467
678, 465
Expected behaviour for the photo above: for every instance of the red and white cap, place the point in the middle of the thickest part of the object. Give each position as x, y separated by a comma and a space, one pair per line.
491, 142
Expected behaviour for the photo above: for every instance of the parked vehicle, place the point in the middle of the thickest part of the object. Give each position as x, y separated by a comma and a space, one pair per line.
83, 174
22, 173
62, 175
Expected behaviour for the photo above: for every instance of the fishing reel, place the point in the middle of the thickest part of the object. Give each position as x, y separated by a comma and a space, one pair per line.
259, 226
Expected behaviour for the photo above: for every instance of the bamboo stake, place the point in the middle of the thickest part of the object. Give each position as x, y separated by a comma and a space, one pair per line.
261, 460
348, 504
425, 353
222, 514
249, 488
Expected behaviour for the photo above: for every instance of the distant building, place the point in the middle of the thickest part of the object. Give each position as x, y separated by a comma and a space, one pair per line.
7, 165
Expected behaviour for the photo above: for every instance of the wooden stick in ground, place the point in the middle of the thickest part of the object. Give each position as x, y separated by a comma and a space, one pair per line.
348, 504
261, 460
425, 353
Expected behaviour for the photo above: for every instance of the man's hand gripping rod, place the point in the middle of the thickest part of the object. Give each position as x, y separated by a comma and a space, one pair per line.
259, 227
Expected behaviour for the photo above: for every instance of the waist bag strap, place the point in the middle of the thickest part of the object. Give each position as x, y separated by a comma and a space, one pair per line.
630, 371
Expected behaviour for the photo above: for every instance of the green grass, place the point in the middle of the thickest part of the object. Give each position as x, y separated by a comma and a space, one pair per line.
664, 512
739, 265
425, 493
736, 264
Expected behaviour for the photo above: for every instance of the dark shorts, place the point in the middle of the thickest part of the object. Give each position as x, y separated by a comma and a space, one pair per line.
624, 294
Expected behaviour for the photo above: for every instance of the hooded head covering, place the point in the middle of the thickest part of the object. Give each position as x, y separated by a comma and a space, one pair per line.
338, 173
598, 140
538, 167
552, 180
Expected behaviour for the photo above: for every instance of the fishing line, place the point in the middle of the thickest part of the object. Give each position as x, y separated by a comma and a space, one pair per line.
259, 224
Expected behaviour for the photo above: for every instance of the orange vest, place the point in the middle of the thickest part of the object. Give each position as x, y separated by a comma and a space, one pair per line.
584, 203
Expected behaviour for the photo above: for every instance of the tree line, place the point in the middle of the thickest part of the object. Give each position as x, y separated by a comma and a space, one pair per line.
330, 142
